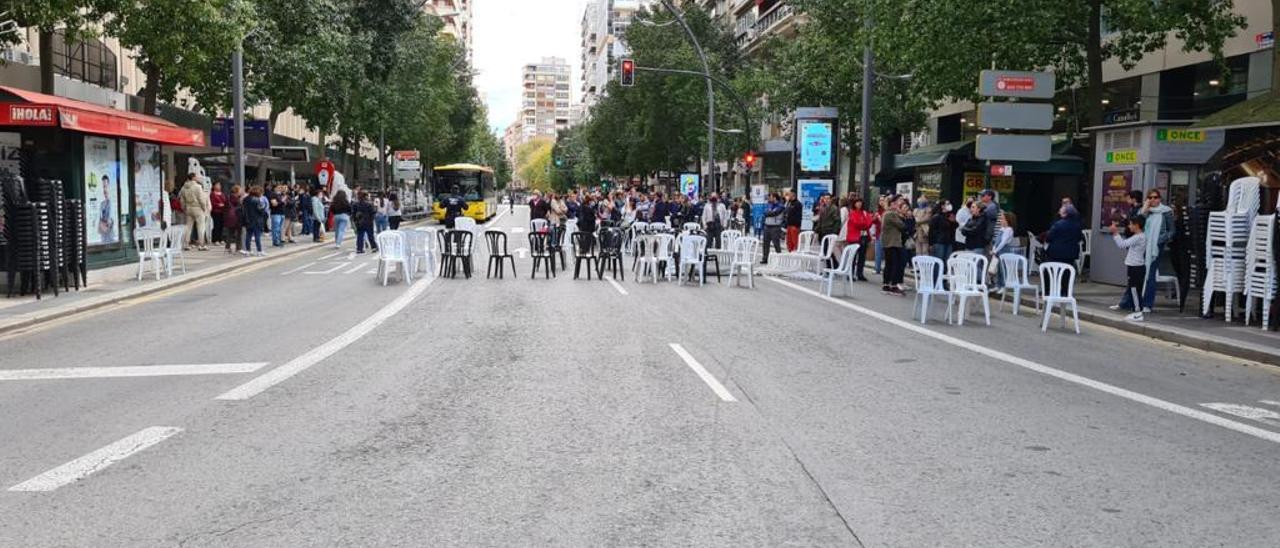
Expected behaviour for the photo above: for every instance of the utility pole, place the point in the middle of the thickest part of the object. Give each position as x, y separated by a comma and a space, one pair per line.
237, 82
868, 81
711, 93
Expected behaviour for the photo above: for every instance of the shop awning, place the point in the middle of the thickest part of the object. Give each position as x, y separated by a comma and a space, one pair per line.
932, 155
28, 108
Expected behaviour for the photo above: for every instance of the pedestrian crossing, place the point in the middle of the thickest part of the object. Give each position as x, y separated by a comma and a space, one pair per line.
343, 263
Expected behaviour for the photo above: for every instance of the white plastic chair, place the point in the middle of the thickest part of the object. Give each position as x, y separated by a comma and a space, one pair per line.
1172, 281
431, 248
1033, 246
658, 226
727, 238
391, 250
1086, 252
417, 245
174, 237
538, 225
744, 258
1058, 285
930, 282
690, 227
1017, 278
968, 282
844, 270
150, 244
807, 240
693, 253
658, 252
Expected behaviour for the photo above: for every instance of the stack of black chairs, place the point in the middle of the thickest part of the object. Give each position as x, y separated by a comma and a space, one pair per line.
1208, 201
50, 193
43, 236
74, 243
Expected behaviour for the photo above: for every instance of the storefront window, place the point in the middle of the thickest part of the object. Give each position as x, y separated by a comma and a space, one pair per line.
88, 60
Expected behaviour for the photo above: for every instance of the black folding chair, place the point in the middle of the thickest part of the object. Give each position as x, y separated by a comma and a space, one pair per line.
611, 240
457, 252
584, 250
541, 253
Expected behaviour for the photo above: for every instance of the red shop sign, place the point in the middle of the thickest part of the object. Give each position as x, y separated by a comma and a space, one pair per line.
22, 114
1016, 83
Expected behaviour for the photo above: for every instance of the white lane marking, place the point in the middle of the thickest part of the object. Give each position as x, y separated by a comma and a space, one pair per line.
1269, 402
615, 285
359, 266
702, 372
296, 270
318, 354
495, 218
1266, 416
129, 371
330, 256
1046, 370
82, 467
517, 230
331, 270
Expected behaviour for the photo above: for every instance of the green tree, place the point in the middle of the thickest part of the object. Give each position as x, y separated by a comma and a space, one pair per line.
181, 44
572, 163
291, 54
533, 163
485, 149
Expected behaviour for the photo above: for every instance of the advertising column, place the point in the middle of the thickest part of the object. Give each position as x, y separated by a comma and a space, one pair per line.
148, 181
815, 152
101, 192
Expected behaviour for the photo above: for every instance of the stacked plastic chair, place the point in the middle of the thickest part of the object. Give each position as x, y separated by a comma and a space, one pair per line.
1226, 243
49, 192
1260, 268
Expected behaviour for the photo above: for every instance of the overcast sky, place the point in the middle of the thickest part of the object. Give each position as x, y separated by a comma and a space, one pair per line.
512, 33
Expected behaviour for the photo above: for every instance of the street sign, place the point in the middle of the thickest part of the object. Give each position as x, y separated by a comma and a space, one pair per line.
1016, 83
1014, 148
408, 165
1001, 170
292, 154
1035, 116
257, 134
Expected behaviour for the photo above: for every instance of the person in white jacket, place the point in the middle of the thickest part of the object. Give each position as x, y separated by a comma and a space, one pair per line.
714, 217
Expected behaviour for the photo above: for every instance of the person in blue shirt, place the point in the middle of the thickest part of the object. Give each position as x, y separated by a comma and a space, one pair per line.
773, 219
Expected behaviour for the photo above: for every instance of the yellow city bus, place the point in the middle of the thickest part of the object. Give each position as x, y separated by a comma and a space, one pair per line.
472, 182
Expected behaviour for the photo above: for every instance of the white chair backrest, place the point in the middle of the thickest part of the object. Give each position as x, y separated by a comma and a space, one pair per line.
538, 225
807, 239
464, 223
1015, 269
662, 245
692, 248
416, 241
639, 226
728, 237
144, 240
1058, 280
175, 236
1086, 245
391, 245
846, 258
658, 226
929, 272
1244, 196
744, 250
828, 246
967, 273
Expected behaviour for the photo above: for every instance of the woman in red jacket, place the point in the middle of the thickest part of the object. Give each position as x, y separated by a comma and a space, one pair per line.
857, 231
217, 208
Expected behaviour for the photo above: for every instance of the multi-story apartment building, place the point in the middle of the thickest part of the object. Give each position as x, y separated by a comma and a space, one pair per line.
604, 26
457, 16
545, 99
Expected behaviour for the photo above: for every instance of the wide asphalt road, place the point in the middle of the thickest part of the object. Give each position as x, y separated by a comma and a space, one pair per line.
320, 408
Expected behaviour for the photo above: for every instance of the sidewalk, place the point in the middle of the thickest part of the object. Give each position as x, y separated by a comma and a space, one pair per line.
114, 284
1166, 323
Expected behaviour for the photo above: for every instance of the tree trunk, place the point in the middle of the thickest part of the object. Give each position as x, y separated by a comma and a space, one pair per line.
1275, 58
323, 135
46, 61
151, 92
271, 121
1093, 53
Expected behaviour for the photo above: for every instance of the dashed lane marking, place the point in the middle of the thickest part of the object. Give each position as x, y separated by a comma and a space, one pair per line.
129, 371
331, 270
96, 461
616, 285
702, 372
296, 270
1130, 395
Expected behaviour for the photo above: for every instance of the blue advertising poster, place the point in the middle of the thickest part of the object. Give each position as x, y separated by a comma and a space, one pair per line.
690, 184
759, 201
815, 146
257, 134
810, 191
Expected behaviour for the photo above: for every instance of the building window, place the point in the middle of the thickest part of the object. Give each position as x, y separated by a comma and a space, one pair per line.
88, 61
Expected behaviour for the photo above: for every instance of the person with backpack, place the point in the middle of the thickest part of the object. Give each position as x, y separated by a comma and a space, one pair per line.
364, 214
341, 209
254, 212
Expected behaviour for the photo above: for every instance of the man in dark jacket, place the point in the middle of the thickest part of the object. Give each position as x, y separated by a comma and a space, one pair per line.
793, 218
773, 218
363, 213
1064, 237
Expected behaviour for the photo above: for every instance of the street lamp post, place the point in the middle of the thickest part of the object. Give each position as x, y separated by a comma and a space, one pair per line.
237, 81
711, 93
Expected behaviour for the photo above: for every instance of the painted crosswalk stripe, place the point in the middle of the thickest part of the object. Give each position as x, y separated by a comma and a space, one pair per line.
331, 270
296, 270
82, 467
357, 268
616, 285
702, 372
330, 256
129, 371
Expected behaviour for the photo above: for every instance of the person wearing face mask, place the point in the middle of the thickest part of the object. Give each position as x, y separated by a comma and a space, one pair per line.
922, 214
714, 216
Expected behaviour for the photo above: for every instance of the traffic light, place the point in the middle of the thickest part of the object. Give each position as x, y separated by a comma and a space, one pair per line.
559, 162
749, 158
628, 73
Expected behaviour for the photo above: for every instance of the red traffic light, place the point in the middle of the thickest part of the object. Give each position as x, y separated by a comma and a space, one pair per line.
749, 159
628, 73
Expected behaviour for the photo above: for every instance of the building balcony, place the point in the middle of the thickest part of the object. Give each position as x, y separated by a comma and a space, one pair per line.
776, 19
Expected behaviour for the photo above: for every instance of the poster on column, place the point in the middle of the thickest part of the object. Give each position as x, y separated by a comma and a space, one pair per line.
810, 191
759, 200
101, 191
1115, 196
149, 185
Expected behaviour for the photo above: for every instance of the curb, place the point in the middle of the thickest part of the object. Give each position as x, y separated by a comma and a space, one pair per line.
59, 312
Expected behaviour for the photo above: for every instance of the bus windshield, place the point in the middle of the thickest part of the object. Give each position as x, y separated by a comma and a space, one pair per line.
463, 183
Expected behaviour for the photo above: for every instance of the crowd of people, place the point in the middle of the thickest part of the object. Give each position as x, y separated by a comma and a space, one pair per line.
239, 217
